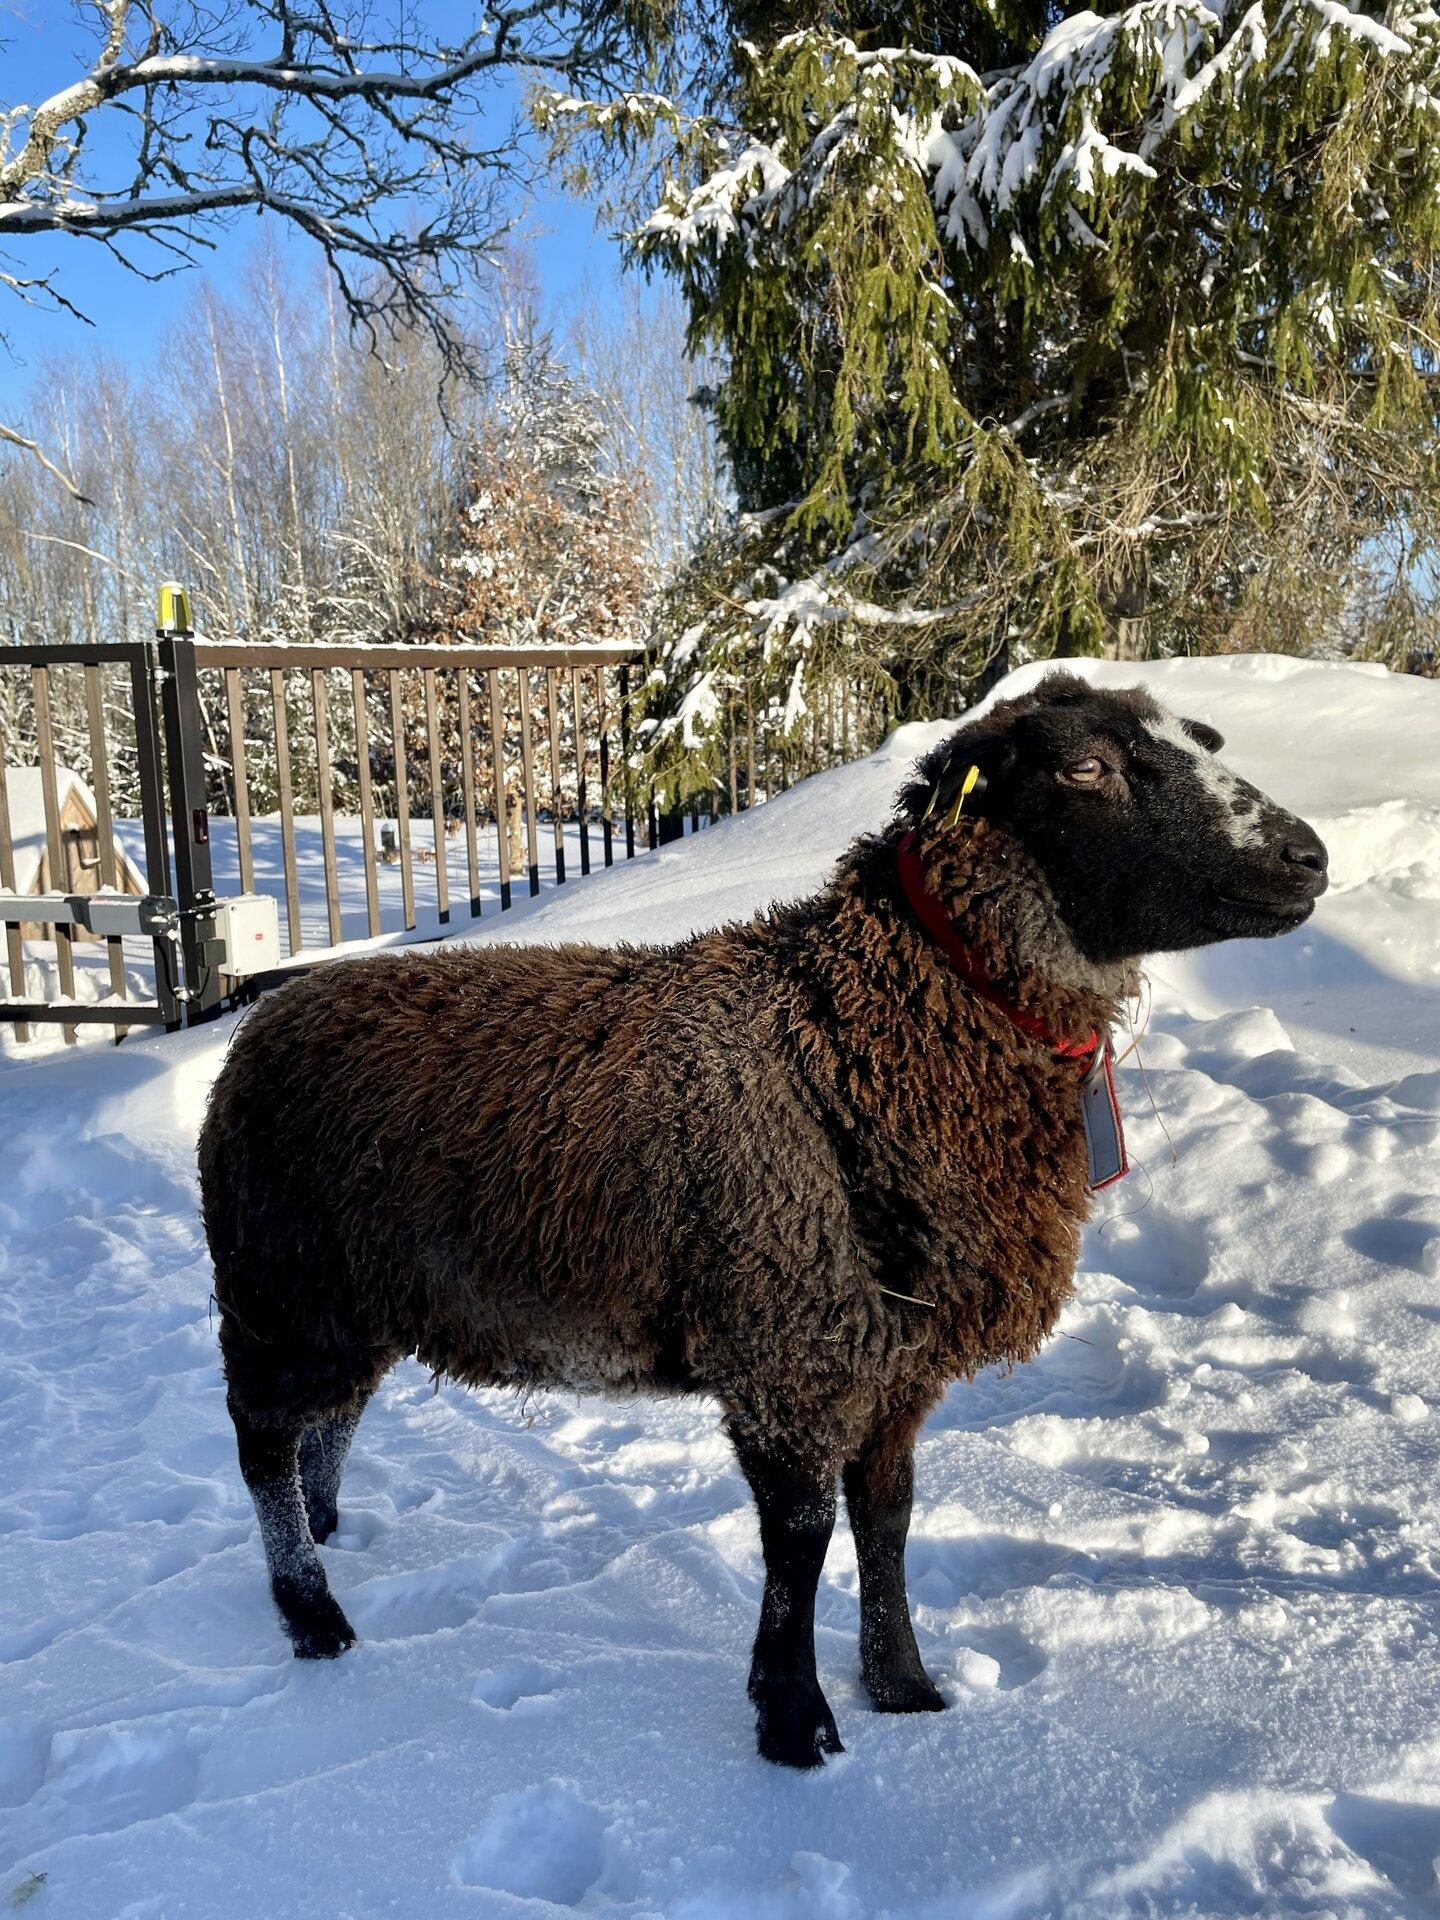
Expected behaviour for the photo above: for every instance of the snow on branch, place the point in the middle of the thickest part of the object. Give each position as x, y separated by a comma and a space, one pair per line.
988, 331
363, 135
985, 143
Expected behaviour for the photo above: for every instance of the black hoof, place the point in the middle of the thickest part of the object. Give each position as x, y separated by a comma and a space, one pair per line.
905, 1693
322, 1642
317, 1628
796, 1729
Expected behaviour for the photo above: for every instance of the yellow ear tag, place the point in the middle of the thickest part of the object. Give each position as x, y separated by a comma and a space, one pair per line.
967, 787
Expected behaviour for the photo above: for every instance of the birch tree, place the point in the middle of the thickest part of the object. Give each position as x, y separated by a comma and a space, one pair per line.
307, 490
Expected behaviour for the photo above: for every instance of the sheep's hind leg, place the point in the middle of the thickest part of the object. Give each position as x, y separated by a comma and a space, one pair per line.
324, 1449
793, 1722
879, 1487
269, 1462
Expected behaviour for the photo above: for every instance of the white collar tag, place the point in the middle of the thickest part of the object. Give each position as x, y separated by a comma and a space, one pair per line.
1104, 1129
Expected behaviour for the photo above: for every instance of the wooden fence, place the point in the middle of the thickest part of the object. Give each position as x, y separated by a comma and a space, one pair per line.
540, 733
522, 751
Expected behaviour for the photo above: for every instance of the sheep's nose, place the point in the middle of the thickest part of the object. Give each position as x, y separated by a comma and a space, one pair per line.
1301, 853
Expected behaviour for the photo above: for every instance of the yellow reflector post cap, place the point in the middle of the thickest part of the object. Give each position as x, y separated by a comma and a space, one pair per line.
174, 610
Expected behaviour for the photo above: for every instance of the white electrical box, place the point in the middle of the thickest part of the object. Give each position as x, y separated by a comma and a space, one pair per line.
248, 925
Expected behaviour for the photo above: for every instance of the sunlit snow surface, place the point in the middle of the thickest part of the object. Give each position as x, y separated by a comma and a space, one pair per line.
1178, 1577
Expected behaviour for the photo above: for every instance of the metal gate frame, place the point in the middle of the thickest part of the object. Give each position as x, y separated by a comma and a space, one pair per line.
179, 921
178, 912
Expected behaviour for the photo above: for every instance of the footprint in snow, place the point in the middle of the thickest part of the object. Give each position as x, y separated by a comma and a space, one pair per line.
100, 1779
172, 1505
542, 1843
944, 1570
1159, 1258
356, 1531
997, 1659
402, 1606
1399, 1839
24, 1745
1321, 1162
522, 1683
1418, 1090
1398, 1238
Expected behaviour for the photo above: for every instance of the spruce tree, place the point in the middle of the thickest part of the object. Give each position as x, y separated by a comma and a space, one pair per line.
1042, 330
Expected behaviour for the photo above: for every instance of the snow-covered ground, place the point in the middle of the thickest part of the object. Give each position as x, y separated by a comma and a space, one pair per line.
1178, 1577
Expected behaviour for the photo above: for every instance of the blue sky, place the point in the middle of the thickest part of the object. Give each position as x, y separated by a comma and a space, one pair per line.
45, 45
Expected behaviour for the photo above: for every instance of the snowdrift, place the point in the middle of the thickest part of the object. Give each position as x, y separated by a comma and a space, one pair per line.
1177, 1577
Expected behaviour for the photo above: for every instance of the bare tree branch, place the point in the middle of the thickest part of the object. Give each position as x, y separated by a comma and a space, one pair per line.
360, 130
19, 440
76, 546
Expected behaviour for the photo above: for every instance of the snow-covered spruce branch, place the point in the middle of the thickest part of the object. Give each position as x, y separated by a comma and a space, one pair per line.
987, 142
1011, 319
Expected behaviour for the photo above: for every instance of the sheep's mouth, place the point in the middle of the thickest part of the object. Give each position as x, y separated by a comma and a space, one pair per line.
1279, 914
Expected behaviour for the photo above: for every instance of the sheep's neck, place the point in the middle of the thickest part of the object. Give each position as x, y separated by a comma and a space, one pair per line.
861, 939
1001, 907
933, 915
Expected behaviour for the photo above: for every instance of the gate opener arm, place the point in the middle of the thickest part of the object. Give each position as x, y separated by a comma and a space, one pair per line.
155, 914
234, 937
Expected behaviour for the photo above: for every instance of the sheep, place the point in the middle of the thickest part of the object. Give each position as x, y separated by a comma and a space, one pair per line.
818, 1166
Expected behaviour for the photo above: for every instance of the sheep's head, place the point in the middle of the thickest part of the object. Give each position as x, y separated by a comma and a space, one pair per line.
1148, 842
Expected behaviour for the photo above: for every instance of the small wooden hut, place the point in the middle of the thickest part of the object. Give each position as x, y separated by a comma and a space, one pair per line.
79, 840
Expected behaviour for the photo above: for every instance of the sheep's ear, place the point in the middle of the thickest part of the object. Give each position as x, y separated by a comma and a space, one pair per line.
968, 779
1204, 736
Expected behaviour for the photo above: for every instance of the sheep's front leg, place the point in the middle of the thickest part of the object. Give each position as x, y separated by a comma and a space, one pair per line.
879, 1488
793, 1722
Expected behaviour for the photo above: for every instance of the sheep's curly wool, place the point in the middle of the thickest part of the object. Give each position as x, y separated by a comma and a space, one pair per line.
709, 1167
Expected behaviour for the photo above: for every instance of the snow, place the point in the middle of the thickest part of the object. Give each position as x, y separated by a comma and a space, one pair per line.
1177, 1576
751, 181
699, 712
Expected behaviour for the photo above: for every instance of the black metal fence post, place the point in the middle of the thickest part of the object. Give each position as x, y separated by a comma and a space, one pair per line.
190, 819
145, 678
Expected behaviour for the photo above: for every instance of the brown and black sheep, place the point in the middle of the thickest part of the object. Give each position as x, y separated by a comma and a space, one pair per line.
818, 1166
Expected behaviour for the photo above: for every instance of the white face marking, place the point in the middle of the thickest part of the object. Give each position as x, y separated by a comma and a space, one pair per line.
1219, 782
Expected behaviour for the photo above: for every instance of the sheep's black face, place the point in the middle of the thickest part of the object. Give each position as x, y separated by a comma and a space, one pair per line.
1148, 842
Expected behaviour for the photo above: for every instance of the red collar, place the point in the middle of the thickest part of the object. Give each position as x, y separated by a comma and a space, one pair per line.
931, 914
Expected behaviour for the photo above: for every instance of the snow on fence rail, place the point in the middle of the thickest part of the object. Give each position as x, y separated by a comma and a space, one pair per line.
316, 768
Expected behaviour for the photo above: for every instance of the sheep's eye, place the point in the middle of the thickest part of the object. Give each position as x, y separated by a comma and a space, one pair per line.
1086, 772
